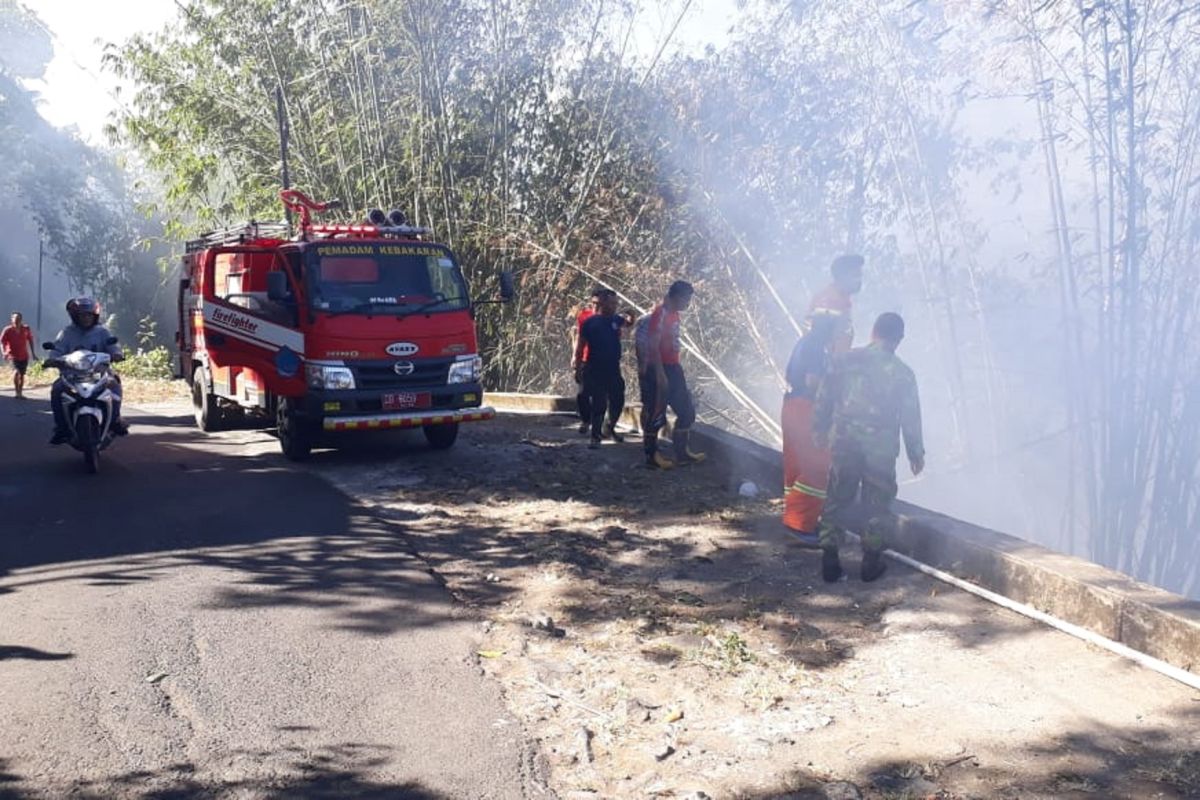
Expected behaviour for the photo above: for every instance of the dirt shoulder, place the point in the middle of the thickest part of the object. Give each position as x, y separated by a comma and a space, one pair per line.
661, 637
137, 391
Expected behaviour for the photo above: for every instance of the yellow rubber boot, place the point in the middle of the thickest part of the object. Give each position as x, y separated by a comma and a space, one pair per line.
659, 461
683, 453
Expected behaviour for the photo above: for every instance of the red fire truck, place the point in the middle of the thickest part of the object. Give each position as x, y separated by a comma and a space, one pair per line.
337, 328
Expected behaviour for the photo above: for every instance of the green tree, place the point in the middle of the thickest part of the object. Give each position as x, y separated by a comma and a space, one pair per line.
74, 197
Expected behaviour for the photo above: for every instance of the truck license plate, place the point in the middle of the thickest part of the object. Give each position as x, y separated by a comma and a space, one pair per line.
397, 401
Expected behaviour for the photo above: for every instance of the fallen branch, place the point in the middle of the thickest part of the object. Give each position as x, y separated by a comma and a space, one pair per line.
558, 695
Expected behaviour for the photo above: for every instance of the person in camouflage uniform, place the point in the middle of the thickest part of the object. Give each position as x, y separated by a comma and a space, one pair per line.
867, 402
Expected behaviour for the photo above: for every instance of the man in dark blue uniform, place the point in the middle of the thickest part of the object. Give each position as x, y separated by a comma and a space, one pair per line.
602, 382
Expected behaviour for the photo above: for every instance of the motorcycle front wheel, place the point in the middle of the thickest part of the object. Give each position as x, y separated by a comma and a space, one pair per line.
89, 442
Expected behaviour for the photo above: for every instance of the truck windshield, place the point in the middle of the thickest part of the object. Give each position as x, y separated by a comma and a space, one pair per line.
385, 279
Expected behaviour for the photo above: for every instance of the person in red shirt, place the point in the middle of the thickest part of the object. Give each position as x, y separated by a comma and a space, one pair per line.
829, 331
582, 399
662, 381
17, 343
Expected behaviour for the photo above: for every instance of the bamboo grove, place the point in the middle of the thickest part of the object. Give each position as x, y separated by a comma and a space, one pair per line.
1021, 177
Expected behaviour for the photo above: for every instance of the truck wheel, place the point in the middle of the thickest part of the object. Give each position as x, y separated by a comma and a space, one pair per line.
209, 416
295, 432
441, 437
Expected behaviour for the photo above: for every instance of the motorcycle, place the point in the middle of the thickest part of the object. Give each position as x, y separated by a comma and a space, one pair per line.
91, 389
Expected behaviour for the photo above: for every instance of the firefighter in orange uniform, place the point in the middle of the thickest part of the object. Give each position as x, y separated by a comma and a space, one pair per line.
829, 332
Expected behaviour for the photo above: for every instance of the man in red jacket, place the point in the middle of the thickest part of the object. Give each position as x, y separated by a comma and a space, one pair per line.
662, 380
17, 343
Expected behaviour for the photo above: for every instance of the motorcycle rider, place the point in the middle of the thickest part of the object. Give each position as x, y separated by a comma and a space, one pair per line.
84, 333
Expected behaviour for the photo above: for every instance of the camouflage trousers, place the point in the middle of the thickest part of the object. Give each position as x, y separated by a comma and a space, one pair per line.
864, 473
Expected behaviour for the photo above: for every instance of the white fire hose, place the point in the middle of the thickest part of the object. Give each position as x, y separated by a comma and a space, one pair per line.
1150, 662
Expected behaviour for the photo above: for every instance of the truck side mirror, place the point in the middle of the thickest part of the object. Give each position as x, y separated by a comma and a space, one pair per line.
277, 286
508, 289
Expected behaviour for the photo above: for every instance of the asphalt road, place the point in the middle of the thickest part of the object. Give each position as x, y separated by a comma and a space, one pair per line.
201, 621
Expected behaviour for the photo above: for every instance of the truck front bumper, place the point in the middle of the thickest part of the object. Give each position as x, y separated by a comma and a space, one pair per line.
408, 419
337, 404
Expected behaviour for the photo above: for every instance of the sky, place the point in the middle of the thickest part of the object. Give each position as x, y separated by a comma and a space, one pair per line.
77, 92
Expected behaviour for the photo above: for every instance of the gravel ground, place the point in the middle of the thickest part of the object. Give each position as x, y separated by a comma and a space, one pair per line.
662, 637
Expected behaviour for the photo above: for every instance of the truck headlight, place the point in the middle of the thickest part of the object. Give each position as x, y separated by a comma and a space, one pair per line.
322, 377
466, 369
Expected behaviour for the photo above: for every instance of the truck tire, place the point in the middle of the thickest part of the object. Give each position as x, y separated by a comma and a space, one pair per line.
295, 433
441, 437
209, 415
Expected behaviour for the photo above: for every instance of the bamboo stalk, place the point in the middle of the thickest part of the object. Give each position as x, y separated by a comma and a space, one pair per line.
766, 281
764, 419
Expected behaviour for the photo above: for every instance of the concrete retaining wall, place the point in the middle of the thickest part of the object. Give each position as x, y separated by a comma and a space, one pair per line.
1148, 619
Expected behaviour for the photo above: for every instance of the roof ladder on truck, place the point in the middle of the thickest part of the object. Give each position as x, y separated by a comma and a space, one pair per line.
239, 234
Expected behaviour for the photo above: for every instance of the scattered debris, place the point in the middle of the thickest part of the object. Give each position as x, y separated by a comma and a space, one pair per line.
561, 696
674, 715
155, 677
663, 752
841, 790
490, 653
544, 623
662, 653
636, 712
583, 746
615, 533
908, 784
1070, 782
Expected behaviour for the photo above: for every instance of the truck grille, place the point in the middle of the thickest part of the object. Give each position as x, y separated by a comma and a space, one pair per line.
429, 372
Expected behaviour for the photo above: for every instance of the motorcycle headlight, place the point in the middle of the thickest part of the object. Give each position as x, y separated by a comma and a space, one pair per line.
322, 377
466, 369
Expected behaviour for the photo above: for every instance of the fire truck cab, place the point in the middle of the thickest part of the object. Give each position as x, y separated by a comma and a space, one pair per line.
340, 328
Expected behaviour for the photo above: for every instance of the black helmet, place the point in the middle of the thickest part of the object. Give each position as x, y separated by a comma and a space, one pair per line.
77, 306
